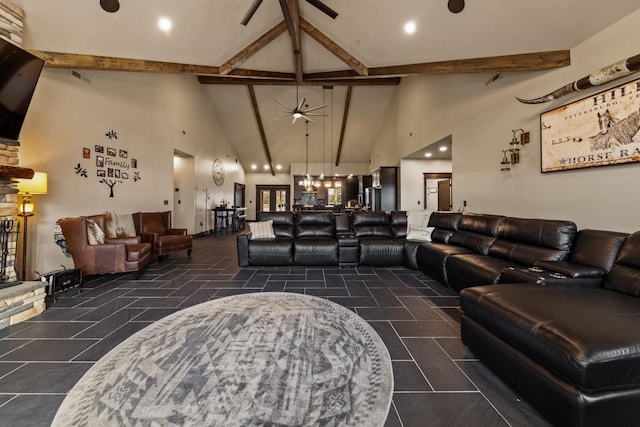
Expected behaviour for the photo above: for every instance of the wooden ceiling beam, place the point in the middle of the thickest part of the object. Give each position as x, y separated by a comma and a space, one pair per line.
108, 63
334, 48
537, 61
345, 116
258, 44
219, 80
263, 136
240, 72
291, 13
520, 62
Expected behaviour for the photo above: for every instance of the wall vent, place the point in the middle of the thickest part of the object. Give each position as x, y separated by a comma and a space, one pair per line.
80, 76
493, 79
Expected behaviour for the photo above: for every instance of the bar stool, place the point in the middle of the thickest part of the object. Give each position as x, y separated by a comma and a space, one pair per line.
238, 222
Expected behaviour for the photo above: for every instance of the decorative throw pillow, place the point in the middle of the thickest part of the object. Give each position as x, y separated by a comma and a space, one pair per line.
262, 230
60, 240
119, 225
417, 225
95, 235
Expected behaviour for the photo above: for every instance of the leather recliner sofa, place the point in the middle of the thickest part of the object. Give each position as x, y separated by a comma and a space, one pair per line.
315, 239
572, 352
380, 237
304, 238
482, 246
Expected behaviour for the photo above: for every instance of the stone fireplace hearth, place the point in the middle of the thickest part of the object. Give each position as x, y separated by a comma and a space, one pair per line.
18, 300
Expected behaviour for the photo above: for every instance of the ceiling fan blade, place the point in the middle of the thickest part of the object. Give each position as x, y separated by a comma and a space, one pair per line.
284, 116
323, 8
314, 108
282, 105
307, 118
301, 104
256, 4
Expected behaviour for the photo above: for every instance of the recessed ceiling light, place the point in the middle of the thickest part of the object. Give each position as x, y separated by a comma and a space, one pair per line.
254, 166
165, 24
428, 154
278, 167
266, 167
443, 148
410, 27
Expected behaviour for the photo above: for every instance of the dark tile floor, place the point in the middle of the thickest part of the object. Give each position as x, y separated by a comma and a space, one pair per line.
437, 381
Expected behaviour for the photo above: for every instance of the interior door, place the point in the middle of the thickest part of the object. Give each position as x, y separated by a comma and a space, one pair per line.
272, 197
434, 198
444, 195
281, 200
238, 194
184, 193
265, 200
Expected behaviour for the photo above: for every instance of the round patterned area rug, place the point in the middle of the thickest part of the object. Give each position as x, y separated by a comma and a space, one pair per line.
262, 359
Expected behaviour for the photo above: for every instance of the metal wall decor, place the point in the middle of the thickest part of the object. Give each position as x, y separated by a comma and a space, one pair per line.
599, 130
217, 172
511, 156
113, 164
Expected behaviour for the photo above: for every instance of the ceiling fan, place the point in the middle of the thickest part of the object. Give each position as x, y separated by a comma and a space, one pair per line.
110, 6
316, 3
301, 111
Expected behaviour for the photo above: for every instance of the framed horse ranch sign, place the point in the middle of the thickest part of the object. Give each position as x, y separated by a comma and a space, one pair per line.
600, 130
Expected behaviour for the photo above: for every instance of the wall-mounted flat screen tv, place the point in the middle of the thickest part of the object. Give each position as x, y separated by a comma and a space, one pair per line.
19, 73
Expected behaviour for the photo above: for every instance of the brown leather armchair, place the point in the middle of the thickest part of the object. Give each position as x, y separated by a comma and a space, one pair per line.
116, 255
155, 228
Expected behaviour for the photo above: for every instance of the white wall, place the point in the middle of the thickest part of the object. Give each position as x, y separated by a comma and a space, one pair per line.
412, 183
152, 115
254, 179
480, 119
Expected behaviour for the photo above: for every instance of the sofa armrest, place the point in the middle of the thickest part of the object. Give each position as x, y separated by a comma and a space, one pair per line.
345, 234
108, 258
242, 243
149, 238
572, 270
177, 231
129, 240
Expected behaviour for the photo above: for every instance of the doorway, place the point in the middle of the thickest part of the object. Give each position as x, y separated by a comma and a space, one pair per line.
437, 191
184, 193
238, 194
272, 198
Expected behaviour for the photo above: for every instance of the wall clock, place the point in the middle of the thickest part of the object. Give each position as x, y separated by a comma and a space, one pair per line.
217, 171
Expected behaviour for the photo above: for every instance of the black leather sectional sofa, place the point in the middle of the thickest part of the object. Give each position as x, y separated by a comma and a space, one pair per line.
570, 347
553, 311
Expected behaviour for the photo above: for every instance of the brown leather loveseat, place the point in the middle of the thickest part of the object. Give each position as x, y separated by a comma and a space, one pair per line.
115, 255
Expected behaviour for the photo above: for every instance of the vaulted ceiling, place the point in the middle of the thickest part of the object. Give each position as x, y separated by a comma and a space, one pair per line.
352, 63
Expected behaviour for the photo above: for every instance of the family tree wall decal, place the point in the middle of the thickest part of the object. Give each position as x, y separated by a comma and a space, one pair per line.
113, 164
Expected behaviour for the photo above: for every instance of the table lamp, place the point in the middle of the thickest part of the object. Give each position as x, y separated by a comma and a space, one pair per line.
26, 189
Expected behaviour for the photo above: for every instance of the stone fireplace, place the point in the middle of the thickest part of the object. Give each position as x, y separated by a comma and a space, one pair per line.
19, 300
